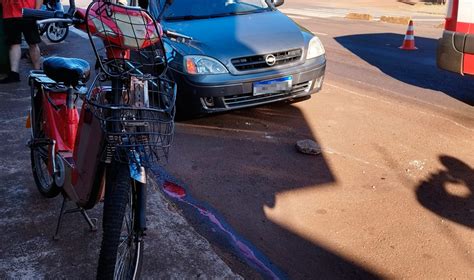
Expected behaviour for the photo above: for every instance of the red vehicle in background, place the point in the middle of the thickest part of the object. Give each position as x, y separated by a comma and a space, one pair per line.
456, 47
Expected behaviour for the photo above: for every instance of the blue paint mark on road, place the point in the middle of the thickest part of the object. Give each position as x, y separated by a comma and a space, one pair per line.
213, 226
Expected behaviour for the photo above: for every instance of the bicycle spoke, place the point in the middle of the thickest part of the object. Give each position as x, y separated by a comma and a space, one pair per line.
127, 246
122, 262
41, 160
122, 243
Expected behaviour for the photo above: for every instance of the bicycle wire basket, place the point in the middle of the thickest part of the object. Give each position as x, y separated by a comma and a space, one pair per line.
133, 100
130, 39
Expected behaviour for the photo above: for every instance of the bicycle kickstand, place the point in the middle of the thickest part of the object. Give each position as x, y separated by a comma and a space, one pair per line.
92, 222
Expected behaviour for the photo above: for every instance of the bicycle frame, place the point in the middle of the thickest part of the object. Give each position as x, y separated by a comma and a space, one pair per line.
76, 142
125, 125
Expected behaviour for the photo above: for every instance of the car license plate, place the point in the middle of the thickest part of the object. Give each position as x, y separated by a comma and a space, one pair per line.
273, 86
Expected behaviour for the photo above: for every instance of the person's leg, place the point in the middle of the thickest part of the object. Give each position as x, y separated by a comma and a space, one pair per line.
35, 55
13, 33
32, 37
15, 56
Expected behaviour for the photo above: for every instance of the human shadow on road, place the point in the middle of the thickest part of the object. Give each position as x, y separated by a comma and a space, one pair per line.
449, 192
417, 68
239, 162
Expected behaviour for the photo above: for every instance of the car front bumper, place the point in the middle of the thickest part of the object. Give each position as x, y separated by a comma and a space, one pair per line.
450, 51
217, 93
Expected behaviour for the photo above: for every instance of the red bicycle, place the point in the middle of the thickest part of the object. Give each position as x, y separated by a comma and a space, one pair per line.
125, 125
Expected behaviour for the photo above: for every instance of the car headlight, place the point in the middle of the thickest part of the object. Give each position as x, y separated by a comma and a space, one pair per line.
199, 65
315, 48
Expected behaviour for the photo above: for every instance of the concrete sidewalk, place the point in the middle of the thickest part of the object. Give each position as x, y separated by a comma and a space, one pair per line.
173, 249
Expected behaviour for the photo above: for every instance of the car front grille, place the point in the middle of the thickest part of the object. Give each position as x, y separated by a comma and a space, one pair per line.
258, 61
249, 99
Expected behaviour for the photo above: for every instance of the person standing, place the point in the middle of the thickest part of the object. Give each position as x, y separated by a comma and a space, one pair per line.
15, 26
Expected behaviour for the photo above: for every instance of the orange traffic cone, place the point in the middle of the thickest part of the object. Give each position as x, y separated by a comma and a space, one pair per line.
409, 42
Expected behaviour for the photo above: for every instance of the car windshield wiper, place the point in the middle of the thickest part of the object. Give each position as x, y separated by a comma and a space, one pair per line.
189, 17
186, 17
238, 13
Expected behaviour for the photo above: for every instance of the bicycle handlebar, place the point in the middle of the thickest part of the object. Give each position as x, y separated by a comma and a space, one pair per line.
41, 14
54, 20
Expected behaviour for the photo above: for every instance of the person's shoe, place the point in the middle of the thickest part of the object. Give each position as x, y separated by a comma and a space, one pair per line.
13, 77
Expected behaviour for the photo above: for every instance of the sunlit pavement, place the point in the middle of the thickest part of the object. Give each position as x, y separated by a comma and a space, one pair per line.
392, 195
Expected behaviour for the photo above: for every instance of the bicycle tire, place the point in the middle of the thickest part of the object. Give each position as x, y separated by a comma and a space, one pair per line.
118, 195
53, 39
39, 155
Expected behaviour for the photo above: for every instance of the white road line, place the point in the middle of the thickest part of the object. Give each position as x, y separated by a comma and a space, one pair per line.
319, 33
298, 17
335, 12
313, 13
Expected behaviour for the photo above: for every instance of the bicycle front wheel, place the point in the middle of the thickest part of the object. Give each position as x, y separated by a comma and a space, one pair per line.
122, 245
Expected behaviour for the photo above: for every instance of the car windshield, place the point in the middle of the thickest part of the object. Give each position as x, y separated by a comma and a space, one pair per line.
196, 9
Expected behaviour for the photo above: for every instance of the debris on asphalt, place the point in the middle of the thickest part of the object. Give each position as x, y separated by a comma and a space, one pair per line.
418, 164
308, 147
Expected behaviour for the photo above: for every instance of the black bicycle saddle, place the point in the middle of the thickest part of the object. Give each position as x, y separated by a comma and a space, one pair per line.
69, 71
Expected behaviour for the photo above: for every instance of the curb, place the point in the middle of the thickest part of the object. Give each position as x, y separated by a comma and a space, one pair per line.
359, 16
388, 19
395, 20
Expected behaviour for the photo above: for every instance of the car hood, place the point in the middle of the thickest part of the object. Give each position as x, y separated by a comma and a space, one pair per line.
238, 36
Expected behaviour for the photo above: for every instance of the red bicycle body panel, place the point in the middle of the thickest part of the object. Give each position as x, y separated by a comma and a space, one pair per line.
61, 122
88, 172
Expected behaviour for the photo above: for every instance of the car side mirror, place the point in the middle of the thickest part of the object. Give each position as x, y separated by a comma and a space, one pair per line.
278, 3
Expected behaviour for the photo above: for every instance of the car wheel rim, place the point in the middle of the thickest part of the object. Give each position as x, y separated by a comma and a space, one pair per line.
56, 32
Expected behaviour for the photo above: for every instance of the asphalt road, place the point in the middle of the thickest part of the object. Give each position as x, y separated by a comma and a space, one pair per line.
392, 195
